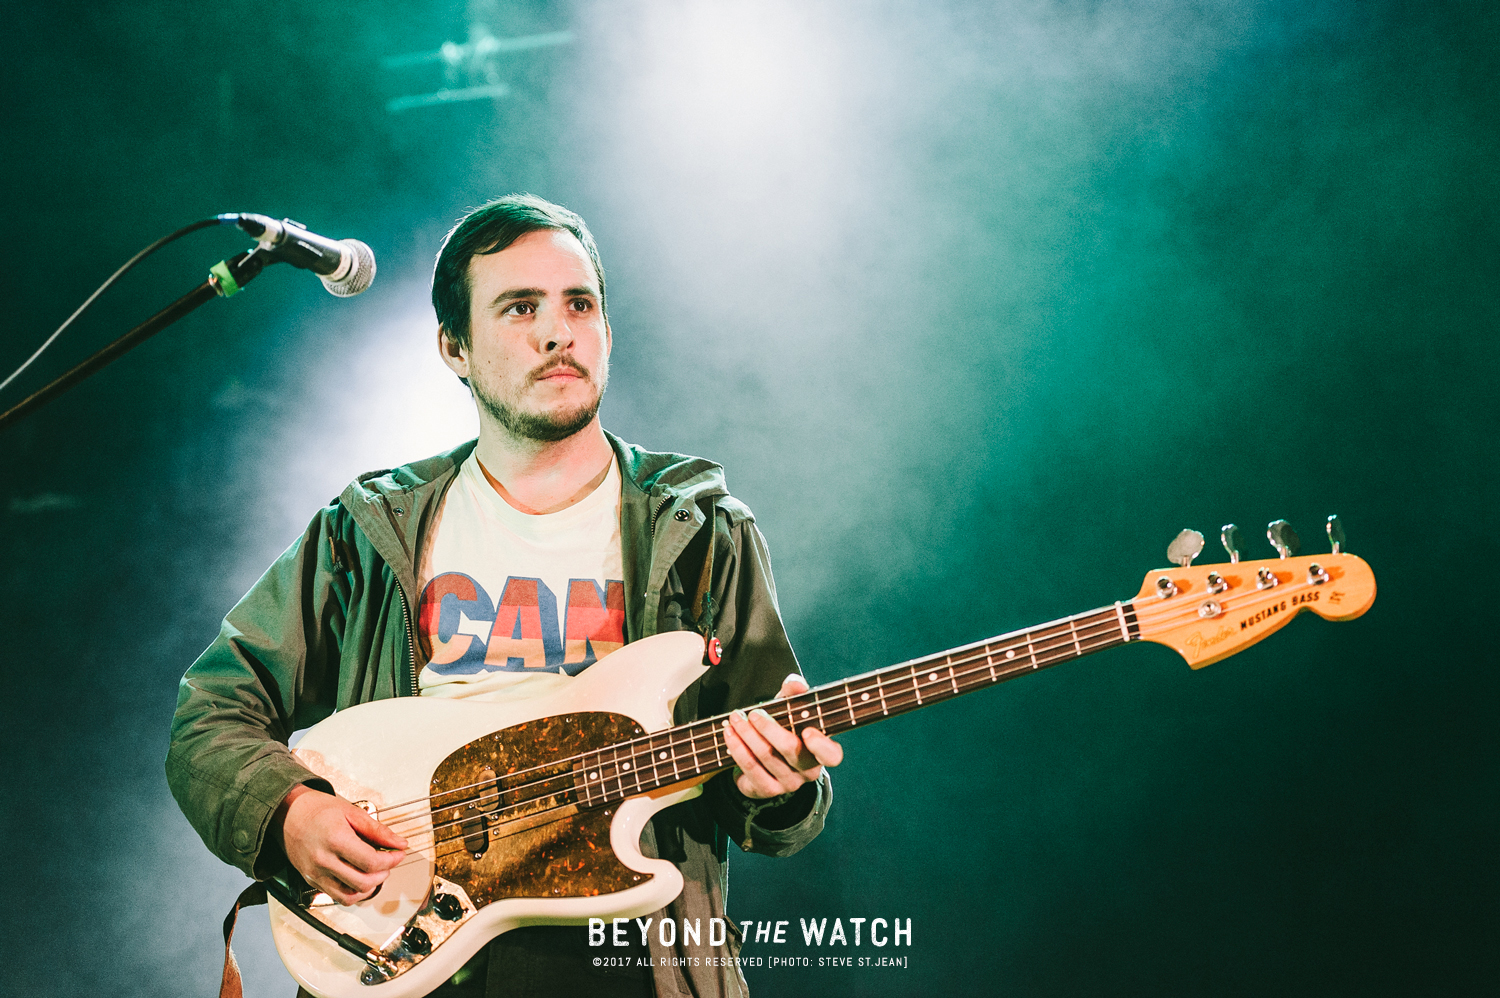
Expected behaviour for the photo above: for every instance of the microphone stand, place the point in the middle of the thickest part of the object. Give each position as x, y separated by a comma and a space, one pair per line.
225, 278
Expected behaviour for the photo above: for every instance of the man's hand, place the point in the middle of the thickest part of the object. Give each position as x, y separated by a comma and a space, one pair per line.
772, 760
337, 847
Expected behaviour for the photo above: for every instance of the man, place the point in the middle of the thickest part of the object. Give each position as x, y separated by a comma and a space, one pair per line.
474, 548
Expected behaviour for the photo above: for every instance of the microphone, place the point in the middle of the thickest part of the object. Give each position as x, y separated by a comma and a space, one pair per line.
345, 266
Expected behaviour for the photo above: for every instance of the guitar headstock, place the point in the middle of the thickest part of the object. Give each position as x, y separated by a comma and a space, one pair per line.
1209, 612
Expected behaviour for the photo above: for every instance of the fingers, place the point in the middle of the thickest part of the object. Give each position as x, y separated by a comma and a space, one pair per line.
793, 685
373, 831
773, 760
824, 749
329, 841
764, 772
348, 870
350, 845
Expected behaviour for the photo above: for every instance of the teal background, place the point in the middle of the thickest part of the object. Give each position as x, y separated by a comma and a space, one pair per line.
979, 304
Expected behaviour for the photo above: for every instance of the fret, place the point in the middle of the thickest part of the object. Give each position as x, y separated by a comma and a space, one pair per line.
822, 725
880, 690
849, 699
989, 660
629, 769
1120, 613
1031, 650
864, 698
794, 716
915, 688
651, 758
633, 767
1074, 628
951, 677
696, 749
676, 776
932, 679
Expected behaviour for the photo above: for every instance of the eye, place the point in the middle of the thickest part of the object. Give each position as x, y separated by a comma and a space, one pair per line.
581, 304
520, 308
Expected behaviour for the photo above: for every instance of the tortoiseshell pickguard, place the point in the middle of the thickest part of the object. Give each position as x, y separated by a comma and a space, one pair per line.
564, 856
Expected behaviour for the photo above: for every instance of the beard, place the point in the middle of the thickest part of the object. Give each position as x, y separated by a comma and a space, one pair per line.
544, 427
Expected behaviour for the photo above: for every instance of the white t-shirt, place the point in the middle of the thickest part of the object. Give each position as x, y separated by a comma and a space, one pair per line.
514, 605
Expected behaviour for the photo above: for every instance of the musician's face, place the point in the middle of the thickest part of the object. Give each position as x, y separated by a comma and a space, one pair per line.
539, 355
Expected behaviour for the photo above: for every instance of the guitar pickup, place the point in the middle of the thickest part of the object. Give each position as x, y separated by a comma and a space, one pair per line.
476, 828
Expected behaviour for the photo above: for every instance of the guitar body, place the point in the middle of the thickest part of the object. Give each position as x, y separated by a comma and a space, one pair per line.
421, 765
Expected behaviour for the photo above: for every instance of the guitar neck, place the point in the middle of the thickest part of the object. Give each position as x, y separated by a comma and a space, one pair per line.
696, 750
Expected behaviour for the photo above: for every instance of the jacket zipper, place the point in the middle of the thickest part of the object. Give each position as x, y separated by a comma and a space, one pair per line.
411, 647
665, 501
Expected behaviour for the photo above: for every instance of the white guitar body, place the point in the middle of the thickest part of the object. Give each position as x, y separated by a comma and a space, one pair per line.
385, 754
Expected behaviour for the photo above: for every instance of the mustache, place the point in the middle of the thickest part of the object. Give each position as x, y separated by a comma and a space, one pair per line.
553, 365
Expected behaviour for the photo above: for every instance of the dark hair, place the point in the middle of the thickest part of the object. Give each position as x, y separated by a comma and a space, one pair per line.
488, 229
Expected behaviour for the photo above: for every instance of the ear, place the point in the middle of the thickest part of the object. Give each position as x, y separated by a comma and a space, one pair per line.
454, 355
609, 339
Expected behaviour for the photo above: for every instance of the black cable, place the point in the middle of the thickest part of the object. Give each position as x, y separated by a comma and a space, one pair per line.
205, 223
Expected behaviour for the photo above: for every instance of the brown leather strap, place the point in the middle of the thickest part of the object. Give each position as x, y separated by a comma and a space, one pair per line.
230, 986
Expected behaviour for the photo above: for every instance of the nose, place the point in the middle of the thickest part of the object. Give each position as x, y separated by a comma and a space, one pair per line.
553, 333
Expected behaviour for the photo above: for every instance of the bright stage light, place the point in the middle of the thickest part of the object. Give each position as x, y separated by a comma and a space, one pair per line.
376, 397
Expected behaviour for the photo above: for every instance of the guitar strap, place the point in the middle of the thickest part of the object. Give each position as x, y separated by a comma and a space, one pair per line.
230, 985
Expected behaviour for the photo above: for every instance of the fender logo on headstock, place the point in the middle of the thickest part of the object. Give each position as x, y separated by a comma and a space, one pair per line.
1198, 642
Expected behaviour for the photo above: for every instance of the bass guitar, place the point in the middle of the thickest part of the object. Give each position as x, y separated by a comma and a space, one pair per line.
531, 813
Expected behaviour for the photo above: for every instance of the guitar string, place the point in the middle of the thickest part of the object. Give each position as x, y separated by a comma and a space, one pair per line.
439, 841
1106, 622
641, 745
1109, 624
901, 698
650, 745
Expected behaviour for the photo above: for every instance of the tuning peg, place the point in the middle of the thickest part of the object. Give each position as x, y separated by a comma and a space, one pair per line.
1229, 536
1185, 547
1336, 534
1283, 538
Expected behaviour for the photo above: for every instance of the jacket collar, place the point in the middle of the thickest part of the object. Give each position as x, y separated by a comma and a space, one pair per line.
395, 508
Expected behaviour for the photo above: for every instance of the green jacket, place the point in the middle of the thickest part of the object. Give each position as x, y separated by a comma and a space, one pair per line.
329, 626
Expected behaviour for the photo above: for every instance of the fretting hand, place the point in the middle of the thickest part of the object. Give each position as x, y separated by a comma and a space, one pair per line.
770, 760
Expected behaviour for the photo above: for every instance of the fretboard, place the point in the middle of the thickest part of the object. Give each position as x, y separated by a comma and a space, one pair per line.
697, 749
